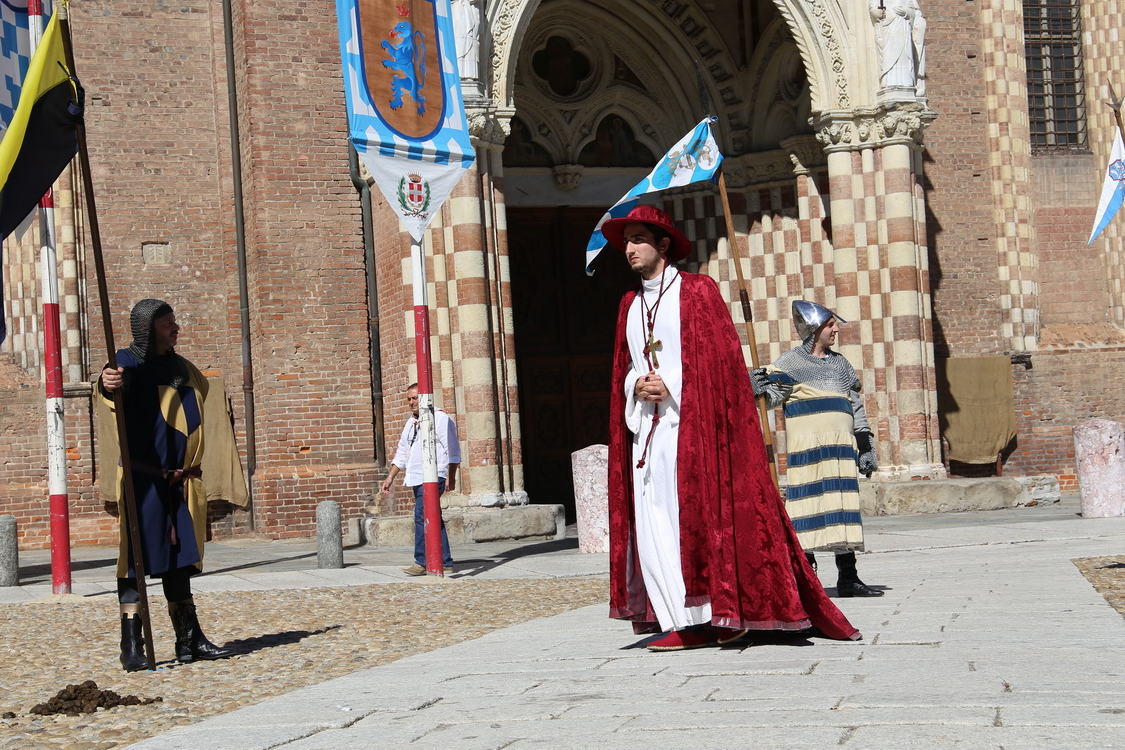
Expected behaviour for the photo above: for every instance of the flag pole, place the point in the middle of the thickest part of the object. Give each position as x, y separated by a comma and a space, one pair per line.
52, 366
431, 494
743, 294
1115, 104
128, 509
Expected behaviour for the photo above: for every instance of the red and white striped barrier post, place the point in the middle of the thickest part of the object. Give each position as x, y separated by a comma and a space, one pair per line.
52, 366
431, 495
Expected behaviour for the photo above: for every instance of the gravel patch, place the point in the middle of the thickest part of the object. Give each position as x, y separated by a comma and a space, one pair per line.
1107, 575
285, 639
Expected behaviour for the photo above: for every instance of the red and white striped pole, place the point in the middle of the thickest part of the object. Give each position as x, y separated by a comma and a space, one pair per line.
431, 495
52, 367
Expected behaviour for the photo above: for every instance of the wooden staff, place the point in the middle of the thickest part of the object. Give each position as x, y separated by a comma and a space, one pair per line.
1115, 104
129, 509
748, 318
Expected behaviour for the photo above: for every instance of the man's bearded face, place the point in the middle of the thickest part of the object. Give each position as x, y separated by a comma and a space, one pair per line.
646, 256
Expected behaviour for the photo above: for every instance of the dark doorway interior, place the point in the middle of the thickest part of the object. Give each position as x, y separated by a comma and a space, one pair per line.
564, 324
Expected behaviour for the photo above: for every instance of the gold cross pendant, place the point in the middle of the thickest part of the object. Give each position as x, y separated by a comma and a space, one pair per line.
651, 348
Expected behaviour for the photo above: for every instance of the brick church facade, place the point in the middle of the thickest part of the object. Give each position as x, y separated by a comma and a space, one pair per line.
944, 209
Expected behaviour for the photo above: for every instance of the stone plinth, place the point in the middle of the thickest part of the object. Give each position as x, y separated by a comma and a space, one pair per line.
1099, 452
468, 525
591, 497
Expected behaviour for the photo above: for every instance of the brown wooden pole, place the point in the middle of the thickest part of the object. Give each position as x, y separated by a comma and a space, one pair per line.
748, 318
129, 509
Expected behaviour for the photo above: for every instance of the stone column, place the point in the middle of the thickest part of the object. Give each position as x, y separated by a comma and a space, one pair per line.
881, 279
1099, 452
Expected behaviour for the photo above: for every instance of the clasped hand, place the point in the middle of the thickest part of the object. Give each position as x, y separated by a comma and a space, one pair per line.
651, 388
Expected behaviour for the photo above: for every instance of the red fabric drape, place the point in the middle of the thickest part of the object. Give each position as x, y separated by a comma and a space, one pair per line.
737, 547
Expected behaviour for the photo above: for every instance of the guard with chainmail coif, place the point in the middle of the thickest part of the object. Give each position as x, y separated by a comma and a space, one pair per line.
827, 438
163, 396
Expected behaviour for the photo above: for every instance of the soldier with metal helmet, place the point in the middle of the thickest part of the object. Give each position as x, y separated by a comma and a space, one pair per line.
827, 437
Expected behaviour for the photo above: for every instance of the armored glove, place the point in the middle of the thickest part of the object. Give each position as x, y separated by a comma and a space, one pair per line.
759, 381
866, 460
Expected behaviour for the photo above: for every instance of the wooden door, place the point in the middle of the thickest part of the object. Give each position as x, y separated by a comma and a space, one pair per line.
564, 325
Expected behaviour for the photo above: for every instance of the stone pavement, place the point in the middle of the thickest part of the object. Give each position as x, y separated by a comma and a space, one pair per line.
988, 637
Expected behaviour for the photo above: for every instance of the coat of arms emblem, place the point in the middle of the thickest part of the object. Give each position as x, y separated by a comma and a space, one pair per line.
414, 195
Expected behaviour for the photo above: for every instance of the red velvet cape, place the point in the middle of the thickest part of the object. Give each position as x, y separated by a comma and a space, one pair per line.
737, 547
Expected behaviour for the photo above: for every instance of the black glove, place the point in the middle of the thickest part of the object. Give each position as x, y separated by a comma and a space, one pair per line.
759, 381
866, 459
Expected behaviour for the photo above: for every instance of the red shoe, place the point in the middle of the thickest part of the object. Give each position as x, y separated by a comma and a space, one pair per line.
678, 640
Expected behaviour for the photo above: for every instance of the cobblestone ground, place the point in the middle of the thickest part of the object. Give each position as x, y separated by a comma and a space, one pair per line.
1107, 574
286, 640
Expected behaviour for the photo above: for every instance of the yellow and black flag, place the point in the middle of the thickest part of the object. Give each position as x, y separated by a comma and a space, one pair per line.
42, 137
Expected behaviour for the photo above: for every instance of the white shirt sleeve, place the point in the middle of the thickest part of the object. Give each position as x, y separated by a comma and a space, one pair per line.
403, 451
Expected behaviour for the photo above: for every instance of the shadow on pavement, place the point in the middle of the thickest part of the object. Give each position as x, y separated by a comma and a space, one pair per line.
259, 643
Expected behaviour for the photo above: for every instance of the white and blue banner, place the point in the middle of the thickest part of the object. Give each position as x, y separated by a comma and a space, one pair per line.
15, 55
695, 158
1113, 189
405, 113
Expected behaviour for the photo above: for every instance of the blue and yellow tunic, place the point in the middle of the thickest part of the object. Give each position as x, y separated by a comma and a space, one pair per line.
163, 401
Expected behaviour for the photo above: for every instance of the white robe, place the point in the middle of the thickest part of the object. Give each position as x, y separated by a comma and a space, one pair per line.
655, 496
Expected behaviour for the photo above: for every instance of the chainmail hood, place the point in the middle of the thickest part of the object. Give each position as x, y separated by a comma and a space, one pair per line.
141, 319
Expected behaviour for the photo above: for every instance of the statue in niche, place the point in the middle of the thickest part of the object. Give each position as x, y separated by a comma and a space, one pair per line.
900, 34
466, 28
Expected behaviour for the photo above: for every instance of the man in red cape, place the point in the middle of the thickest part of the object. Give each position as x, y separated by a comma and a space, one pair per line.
683, 412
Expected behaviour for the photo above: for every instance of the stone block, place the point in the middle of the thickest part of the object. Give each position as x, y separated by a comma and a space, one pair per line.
468, 525
948, 496
9, 552
1099, 452
528, 521
590, 467
1042, 489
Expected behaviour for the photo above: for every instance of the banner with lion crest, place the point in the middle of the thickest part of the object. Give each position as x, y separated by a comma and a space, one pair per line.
405, 113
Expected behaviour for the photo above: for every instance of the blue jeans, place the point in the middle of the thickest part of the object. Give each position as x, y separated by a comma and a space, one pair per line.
420, 528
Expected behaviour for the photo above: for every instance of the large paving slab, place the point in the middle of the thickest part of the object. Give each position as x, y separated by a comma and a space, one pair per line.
987, 637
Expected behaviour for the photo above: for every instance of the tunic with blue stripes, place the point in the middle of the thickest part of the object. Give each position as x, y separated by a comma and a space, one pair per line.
822, 411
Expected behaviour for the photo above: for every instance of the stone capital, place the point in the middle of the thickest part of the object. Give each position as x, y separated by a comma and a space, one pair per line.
489, 125
873, 127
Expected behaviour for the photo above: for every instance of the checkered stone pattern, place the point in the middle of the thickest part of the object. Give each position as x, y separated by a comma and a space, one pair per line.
466, 303
876, 277
1005, 74
23, 301
1104, 59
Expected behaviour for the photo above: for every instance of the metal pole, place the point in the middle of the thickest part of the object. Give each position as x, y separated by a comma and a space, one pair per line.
129, 508
748, 318
431, 496
52, 366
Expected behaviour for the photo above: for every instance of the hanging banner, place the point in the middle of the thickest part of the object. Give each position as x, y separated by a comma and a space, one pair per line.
15, 56
405, 112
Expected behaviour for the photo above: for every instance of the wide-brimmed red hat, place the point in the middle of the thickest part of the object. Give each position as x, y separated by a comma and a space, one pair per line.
614, 230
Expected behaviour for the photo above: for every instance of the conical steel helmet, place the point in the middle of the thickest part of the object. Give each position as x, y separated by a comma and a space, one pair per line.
808, 316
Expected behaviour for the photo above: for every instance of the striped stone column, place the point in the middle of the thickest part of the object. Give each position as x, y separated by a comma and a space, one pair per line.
882, 283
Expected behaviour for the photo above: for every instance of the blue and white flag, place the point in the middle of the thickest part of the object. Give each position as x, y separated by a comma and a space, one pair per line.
695, 158
15, 56
405, 113
1113, 189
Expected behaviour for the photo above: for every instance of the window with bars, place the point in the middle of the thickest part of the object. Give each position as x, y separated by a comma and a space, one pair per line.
1055, 88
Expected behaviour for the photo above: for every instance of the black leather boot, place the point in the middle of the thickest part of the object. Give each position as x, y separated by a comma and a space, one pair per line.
191, 644
812, 560
133, 657
848, 584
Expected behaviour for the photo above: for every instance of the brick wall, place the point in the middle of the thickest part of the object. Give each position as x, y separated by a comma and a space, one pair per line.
961, 225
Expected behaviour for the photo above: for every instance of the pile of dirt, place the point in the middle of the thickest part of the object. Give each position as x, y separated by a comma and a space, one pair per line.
86, 699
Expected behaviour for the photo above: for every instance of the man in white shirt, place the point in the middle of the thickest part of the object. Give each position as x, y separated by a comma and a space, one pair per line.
408, 457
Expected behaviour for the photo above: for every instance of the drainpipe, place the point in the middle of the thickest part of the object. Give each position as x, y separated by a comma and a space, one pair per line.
372, 305
240, 241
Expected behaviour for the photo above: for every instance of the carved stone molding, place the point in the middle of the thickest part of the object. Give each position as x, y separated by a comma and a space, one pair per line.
489, 124
866, 127
805, 153
757, 169
568, 176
